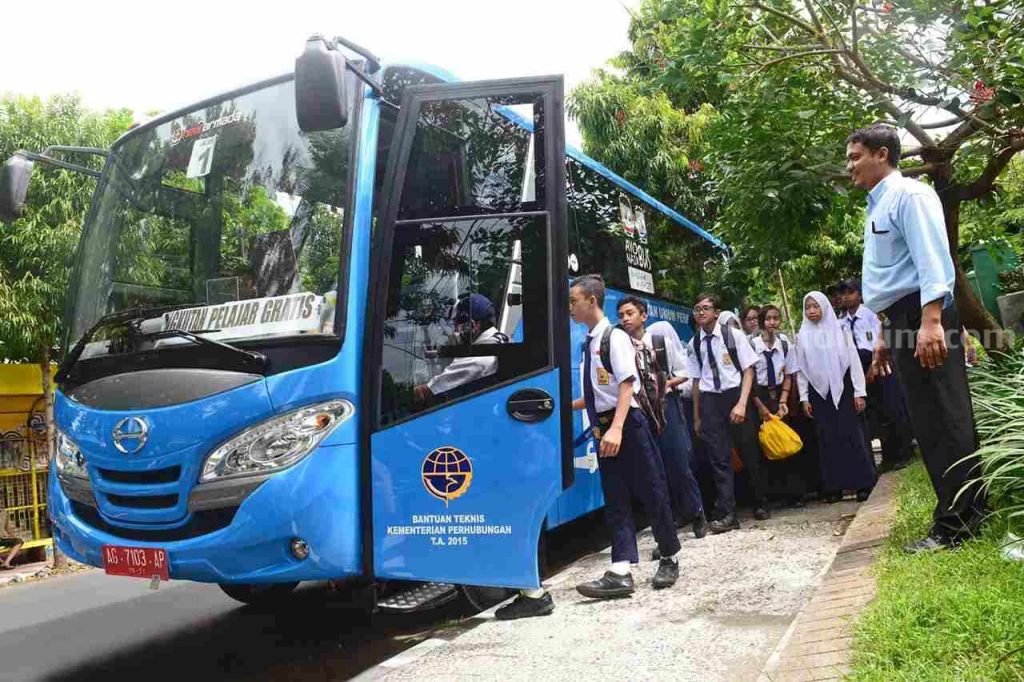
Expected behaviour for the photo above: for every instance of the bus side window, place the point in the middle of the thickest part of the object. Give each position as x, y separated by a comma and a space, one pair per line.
452, 260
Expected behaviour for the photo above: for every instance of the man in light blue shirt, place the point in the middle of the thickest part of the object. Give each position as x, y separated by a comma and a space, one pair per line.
908, 278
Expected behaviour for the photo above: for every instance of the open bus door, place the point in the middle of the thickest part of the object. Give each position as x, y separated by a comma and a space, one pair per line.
469, 437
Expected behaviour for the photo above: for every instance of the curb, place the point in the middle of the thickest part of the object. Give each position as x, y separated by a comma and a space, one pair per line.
818, 644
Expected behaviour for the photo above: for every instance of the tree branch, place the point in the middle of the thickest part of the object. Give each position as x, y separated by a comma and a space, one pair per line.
913, 151
853, 24
943, 124
914, 171
913, 128
785, 48
983, 185
796, 21
809, 53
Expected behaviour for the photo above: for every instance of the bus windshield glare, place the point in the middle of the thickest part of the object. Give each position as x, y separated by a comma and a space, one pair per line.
228, 207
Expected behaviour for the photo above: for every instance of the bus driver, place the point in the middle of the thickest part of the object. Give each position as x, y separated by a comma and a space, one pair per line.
475, 323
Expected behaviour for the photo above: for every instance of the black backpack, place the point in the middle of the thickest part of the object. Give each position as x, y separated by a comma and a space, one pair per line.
652, 368
730, 346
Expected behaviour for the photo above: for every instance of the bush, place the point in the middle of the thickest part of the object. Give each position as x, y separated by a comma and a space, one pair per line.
1012, 280
997, 387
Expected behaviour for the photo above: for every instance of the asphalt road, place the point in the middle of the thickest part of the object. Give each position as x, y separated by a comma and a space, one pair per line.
90, 626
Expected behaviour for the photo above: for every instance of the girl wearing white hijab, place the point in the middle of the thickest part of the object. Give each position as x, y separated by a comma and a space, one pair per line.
832, 391
728, 317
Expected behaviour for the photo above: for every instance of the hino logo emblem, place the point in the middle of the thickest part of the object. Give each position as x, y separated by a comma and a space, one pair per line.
130, 435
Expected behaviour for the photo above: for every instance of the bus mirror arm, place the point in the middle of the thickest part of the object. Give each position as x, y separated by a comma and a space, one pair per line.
17, 171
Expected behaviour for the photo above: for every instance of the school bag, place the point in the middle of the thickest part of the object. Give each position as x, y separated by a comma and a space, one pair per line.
730, 346
652, 368
778, 440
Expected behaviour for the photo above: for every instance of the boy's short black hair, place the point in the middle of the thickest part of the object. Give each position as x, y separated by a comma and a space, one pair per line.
640, 303
592, 285
876, 136
765, 309
708, 296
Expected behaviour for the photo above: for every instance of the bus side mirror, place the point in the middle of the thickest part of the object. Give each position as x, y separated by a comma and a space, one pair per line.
14, 177
320, 93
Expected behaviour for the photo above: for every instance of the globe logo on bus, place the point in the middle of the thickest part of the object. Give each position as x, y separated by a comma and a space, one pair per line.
447, 473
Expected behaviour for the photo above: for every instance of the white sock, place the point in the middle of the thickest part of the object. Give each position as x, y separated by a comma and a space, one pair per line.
620, 567
533, 594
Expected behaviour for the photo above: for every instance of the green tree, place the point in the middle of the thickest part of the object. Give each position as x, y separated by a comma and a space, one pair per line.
37, 250
789, 79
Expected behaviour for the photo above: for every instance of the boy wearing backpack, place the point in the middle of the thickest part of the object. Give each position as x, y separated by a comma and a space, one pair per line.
667, 365
723, 361
628, 455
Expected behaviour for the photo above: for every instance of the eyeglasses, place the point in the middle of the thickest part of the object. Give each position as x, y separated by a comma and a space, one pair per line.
698, 309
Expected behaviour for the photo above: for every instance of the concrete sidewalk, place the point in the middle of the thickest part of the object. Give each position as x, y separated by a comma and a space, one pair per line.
737, 596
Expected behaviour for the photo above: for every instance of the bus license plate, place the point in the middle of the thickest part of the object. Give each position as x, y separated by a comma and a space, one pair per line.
136, 562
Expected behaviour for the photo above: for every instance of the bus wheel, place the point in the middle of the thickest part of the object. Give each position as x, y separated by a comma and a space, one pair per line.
483, 598
259, 594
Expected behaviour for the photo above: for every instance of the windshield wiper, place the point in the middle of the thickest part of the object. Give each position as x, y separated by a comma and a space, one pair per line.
121, 317
250, 359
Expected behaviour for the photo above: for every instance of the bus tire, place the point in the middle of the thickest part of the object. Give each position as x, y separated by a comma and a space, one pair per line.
483, 598
259, 594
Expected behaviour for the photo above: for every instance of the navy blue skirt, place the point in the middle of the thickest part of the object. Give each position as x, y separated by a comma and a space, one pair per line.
846, 462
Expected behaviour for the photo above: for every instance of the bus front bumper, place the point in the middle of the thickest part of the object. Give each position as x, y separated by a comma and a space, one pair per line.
317, 501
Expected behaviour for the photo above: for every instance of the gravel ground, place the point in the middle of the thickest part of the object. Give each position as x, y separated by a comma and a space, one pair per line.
736, 596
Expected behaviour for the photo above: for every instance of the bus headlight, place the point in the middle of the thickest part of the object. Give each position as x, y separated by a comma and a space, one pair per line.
70, 460
277, 443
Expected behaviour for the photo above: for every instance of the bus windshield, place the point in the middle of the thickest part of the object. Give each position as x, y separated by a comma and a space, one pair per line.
227, 213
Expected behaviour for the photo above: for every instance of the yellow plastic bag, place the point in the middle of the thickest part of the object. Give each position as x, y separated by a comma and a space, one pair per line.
778, 440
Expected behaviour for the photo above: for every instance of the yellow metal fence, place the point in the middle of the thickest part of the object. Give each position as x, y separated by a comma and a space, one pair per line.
23, 469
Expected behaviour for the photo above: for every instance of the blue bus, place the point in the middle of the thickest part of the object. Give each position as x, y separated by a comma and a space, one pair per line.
264, 281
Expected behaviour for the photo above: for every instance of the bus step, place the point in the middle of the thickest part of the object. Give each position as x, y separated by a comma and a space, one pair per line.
420, 597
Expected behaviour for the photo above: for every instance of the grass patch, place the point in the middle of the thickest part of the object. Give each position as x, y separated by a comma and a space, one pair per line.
946, 616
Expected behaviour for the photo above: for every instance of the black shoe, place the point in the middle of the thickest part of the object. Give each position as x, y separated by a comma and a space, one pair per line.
834, 498
863, 495
668, 573
799, 503
608, 586
656, 554
725, 524
934, 542
700, 525
762, 513
526, 607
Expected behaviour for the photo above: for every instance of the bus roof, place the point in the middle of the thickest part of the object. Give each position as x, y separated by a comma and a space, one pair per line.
587, 161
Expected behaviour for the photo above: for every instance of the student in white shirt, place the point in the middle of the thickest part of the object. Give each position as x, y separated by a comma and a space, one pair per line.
674, 442
788, 478
886, 412
628, 456
832, 392
722, 412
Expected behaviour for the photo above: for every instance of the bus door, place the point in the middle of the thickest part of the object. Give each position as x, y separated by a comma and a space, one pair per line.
468, 350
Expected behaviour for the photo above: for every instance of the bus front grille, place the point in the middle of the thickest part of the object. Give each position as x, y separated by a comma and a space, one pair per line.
168, 475
143, 501
200, 523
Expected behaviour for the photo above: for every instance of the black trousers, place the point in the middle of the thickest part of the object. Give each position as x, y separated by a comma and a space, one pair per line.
942, 415
720, 436
887, 417
677, 456
636, 470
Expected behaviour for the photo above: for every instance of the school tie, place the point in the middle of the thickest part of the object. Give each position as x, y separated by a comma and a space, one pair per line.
713, 364
588, 386
770, 361
853, 320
